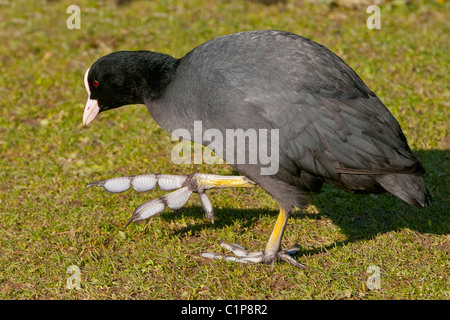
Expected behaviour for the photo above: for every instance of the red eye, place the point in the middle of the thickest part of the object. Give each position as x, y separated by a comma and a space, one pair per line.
95, 83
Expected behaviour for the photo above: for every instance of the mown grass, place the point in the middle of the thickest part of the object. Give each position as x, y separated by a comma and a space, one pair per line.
49, 221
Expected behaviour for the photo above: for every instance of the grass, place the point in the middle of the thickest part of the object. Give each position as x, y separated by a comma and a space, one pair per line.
49, 221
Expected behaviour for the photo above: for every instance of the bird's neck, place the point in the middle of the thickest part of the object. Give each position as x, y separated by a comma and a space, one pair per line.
155, 71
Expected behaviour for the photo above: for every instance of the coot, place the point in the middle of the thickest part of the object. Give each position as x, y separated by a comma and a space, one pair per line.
329, 126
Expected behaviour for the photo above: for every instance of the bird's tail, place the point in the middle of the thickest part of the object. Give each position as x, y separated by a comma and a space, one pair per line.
410, 188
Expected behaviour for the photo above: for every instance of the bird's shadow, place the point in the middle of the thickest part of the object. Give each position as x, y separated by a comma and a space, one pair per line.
359, 217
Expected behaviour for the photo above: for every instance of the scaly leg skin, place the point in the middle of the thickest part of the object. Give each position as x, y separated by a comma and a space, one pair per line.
271, 253
185, 185
198, 183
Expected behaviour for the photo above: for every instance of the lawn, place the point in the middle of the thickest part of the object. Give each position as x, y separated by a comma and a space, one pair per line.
49, 221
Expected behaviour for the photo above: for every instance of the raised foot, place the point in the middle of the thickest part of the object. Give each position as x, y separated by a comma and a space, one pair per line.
184, 185
244, 256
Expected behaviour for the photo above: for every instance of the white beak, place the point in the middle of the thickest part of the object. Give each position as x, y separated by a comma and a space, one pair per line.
90, 111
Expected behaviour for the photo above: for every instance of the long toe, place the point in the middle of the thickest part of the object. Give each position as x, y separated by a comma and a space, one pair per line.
242, 255
283, 256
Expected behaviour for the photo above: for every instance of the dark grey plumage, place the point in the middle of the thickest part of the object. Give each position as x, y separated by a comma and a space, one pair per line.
333, 129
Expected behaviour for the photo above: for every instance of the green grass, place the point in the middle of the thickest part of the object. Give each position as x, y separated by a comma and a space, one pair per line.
48, 221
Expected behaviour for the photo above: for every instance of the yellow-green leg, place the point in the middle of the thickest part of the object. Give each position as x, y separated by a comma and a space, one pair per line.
274, 244
271, 253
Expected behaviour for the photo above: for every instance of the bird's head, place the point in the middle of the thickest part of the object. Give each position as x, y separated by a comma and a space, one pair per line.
125, 77
108, 86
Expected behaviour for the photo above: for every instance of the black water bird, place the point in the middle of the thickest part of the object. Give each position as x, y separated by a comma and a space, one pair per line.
331, 127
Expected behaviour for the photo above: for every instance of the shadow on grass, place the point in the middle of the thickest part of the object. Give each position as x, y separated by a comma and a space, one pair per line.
358, 216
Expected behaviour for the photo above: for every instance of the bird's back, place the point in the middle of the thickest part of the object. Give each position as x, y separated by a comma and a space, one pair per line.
331, 125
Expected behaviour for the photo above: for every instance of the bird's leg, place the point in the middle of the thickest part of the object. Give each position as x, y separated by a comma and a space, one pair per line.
185, 185
271, 252
198, 183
